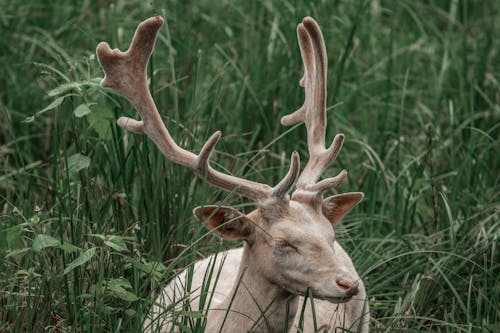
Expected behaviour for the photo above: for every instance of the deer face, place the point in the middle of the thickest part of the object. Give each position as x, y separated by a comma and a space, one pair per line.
293, 245
301, 253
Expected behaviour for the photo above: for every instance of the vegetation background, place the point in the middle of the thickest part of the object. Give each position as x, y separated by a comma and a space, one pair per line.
94, 220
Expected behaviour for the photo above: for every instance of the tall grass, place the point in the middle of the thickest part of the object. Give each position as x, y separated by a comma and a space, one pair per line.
94, 221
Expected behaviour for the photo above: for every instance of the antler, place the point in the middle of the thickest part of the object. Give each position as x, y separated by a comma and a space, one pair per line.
313, 111
125, 72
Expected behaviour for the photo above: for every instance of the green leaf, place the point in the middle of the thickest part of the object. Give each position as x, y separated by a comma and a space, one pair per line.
117, 288
43, 241
101, 237
95, 82
117, 243
109, 310
17, 252
130, 312
154, 267
28, 272
67, 247
29, 119
100, 119
124, 294
121, 282
81, 110
54, 104
82, 259
77, 163
8, 179
12, 234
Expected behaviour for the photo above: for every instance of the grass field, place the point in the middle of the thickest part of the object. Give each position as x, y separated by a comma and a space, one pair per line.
94, 220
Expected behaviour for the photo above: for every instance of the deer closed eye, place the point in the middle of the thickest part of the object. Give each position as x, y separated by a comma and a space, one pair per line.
284, 245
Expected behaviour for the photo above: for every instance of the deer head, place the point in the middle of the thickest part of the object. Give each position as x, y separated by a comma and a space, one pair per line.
290, 239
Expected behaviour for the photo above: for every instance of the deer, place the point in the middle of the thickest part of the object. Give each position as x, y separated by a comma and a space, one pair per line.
290, 254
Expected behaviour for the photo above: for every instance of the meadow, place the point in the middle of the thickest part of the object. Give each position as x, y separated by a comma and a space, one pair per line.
94, 221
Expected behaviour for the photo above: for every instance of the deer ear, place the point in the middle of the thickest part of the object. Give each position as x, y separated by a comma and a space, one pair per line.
225, 221
337, 206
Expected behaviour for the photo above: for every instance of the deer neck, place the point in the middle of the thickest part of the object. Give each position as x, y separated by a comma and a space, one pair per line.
255, 303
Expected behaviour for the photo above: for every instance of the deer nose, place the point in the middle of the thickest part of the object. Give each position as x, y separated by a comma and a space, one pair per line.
350, 288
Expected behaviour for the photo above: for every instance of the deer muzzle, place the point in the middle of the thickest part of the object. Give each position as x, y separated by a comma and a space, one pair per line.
350, 288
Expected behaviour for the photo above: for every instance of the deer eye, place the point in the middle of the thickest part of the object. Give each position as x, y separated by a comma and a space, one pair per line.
284, 245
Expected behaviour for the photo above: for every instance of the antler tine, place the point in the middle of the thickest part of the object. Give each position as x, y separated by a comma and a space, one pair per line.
125, 72
287, 183
313, 111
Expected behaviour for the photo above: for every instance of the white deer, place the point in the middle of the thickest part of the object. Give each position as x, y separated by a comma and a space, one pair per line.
290, 251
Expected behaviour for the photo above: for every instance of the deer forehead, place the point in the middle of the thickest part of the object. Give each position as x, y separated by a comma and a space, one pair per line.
303, 223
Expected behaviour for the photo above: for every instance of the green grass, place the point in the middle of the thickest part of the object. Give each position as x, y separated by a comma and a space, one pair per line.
94, 220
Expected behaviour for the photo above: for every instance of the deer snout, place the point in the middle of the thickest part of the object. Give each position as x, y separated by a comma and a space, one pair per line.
350, 288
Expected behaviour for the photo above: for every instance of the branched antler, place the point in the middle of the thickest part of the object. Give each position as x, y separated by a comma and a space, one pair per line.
125, 72
313, 111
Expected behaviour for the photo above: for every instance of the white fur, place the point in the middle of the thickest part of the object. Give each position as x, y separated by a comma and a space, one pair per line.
226, 266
